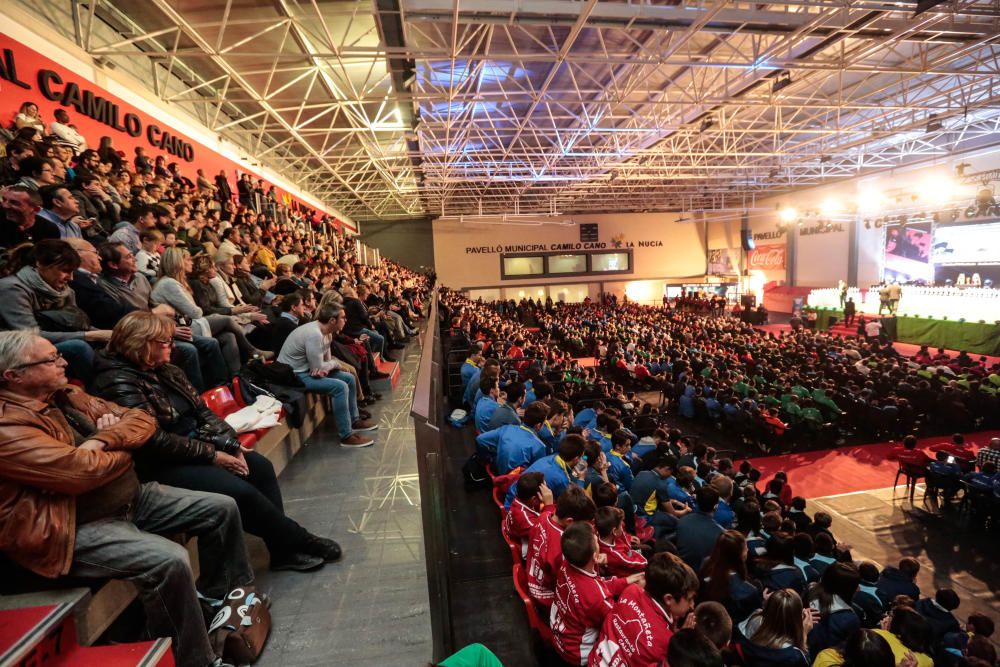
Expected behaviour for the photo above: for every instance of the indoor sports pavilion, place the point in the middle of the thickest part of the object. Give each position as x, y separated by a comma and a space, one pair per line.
500, 332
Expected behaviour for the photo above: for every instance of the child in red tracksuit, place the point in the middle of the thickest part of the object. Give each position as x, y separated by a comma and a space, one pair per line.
621, 559
582, 597
533, 498
545, 543
637, 631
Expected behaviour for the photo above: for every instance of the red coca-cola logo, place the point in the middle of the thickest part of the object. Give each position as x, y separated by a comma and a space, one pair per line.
768, 257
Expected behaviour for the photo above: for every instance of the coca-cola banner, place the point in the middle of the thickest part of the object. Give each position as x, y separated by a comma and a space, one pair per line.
767, 258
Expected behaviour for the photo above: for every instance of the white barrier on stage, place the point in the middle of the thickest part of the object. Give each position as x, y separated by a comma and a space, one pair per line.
969, 303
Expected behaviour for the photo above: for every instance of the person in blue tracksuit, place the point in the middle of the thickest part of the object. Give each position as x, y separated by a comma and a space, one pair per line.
471, 366
554, 428
472, 391
487, 405
558, 469
651, 493
515, 445
866, 600
512, 398
587, 418
620, 459
779, 571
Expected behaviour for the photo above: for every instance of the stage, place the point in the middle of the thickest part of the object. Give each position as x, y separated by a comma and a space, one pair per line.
972, 337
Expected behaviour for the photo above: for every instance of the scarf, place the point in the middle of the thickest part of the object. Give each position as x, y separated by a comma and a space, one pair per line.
29, 276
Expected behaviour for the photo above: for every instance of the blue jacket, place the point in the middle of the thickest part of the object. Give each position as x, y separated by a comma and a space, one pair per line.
870, 607
696, 536
514, 446
892, 582
468, 370
820, 563
503, 415
941, 620
550, 440
808, 571
758, 656
744, 599
784, 577
557, 477
471, 387
586, 418
724, 515
620, 472
833, 630
649, 490
484, 413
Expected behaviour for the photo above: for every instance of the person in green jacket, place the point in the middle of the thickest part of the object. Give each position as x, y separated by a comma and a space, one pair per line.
473, 655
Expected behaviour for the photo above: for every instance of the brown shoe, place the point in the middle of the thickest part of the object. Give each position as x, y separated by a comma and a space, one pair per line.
356, 441
364, 414
363, 425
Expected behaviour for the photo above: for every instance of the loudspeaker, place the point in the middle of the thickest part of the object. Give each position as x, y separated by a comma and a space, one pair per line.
746, 237
748, 300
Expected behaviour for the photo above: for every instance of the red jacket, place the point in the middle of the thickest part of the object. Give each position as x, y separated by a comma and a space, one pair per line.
623, 560
544, 558
634, 634
519, 521
582, 601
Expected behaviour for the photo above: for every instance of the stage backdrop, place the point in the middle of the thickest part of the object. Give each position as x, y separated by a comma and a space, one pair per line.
468, 255
26, 75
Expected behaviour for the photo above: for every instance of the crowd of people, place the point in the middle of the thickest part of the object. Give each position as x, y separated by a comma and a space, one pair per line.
642, 545
130, 288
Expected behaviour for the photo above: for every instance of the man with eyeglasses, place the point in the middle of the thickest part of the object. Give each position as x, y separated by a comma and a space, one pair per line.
71, 503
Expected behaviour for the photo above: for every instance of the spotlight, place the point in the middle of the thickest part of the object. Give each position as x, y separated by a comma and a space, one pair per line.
705, 124
960, 169
823, 159
788, 215
933, 124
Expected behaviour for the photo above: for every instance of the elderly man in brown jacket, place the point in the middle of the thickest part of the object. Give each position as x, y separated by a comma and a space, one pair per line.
71, 504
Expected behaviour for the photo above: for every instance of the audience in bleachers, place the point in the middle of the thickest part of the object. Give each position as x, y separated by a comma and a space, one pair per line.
146, 285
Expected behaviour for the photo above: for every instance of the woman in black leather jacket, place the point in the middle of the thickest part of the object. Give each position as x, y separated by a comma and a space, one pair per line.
194, 448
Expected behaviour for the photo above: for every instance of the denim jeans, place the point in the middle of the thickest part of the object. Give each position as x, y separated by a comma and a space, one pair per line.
343, 393
131, 548
377, 341
214, 367
79, 356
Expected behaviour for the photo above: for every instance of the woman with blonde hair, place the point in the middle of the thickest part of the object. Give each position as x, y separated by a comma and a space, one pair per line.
172, 288
193, 448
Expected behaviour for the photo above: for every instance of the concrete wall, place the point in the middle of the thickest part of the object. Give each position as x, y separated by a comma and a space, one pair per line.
409, 242
467, 255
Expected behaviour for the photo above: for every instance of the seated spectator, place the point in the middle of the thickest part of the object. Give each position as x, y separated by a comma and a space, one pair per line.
147, 260
533, 498
307, 351
866, 601
944, 474
937, 611
37, 296
173, 288
690, 647
901, 580
582, 597
195, 449
825, 553
864, 648
775, 636
618, 547
36, 173
67, 132
512, 398
712, 619
832, 599
725, 578
20, 222
697, 531
559, 469
804, 553
778, 570
61, 208
989, 454
651, 491
797, 513
639, 628
74, 506
906, 631
513, 446
724, 515
487, 404
545, 543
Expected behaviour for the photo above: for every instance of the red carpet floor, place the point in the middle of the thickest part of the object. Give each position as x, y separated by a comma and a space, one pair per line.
831, 472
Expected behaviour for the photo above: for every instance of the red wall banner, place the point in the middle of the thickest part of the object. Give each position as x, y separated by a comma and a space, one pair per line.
26, 75
767, 258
